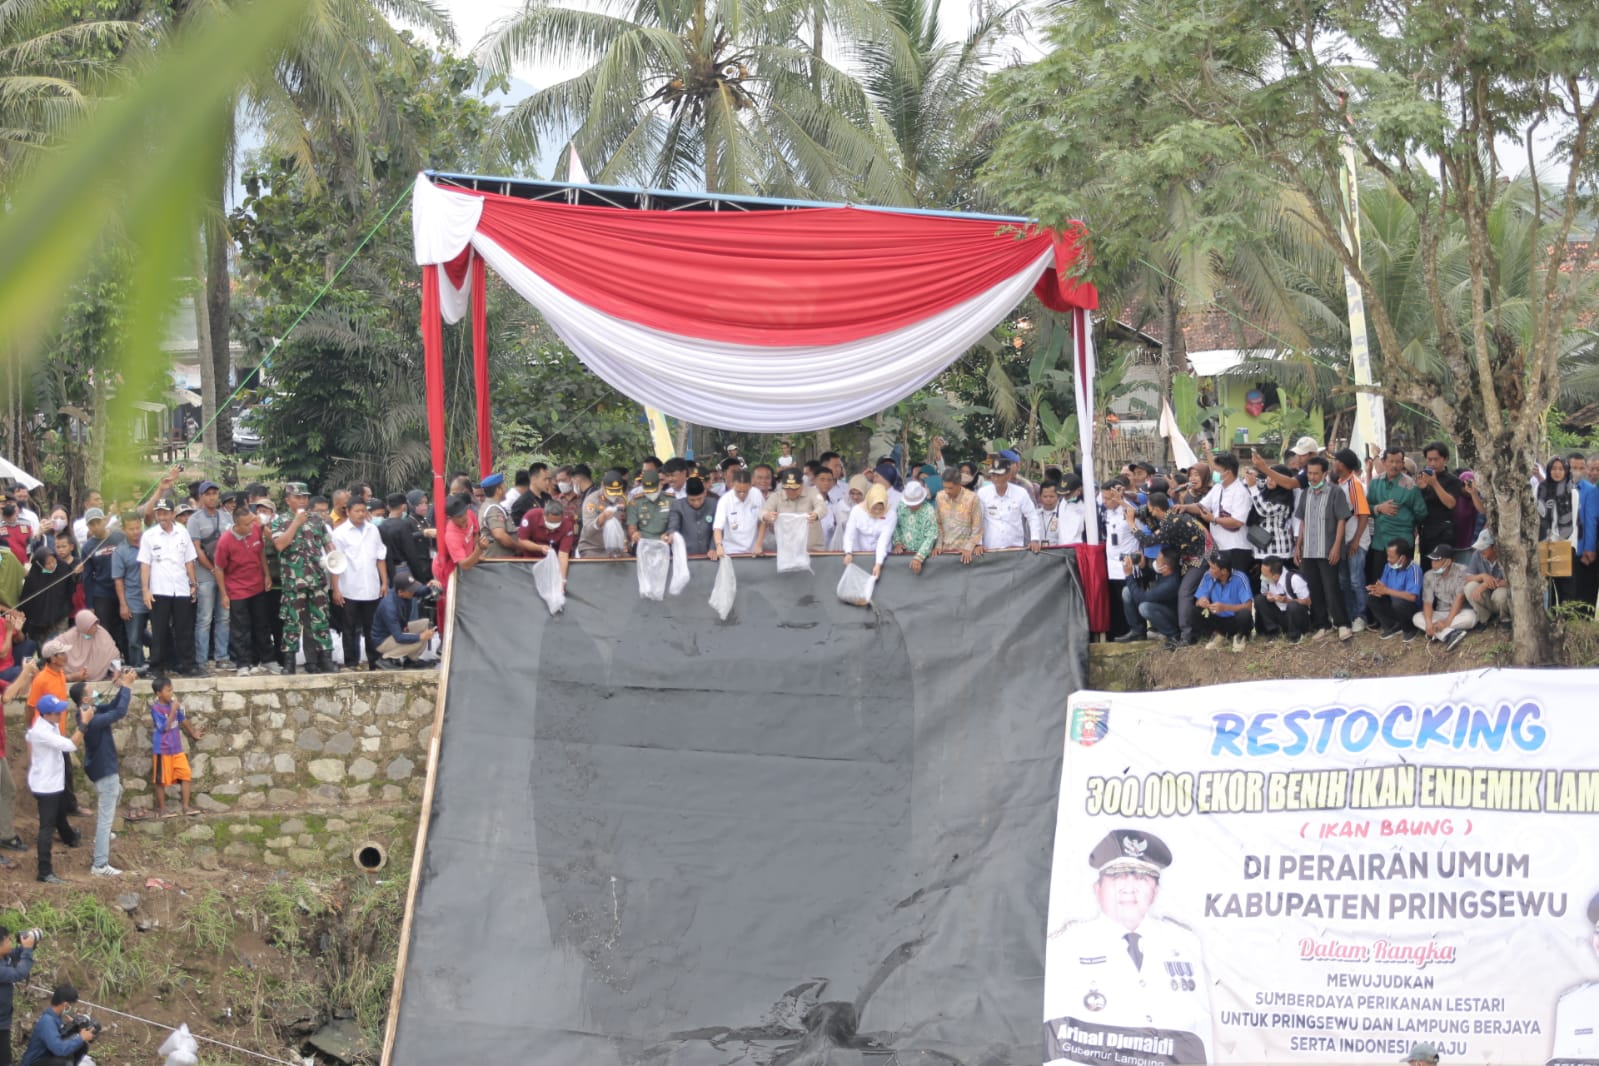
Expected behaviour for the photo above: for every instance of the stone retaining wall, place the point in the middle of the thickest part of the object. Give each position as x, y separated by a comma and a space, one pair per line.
285, 742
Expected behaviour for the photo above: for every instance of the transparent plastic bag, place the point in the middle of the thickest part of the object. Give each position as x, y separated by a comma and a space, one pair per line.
613, 534
547, 579
856, 586
723, 590
179, 1049
679, 565
793, 543
654, 563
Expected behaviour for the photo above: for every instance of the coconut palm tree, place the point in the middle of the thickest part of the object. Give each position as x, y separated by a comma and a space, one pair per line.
723, 95
325, 78
50, 63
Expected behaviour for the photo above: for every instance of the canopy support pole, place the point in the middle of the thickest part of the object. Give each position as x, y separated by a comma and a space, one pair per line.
433, 365
480, 367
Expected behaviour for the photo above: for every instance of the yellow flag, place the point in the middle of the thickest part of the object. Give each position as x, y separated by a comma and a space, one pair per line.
660, 433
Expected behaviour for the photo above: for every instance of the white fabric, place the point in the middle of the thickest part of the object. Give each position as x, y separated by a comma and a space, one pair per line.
442, 223
724, 590
364, 549
454, 303
1289, 584
1119, 541
1009, 521
731, 385
1083, 385
654, 564
739, 520
46, 772
168, 555
793, 543
1064, 525
547, 580
1181, 451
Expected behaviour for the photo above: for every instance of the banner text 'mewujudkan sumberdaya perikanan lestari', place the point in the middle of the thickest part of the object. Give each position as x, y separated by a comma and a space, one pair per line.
1329, 872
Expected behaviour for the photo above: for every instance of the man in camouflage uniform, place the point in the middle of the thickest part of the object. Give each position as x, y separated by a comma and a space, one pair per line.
647, 513
302, 538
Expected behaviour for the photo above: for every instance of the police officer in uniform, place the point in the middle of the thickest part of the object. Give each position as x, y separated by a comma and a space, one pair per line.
649, 513
1124, 969
302, 537
1577, 1009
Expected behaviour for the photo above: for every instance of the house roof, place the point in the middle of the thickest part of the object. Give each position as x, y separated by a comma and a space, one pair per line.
1210, 329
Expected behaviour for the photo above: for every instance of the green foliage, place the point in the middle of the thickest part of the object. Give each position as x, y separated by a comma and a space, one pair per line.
107, 958
325, 422
552, 407
209, 922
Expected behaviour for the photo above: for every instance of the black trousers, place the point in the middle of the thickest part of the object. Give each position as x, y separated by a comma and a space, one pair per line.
1209, 623
249, 642
70, 796
1326, 598
274, 602
1271, 618
172, 633
1118, 617
357, 630
5, 1047
1392, 613
109, 612
52, 819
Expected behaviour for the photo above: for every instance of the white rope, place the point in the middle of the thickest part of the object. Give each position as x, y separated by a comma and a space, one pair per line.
172, 1029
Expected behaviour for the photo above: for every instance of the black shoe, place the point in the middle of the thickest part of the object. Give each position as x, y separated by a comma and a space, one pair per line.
51, 879
1452, 641
386, 664
198, 671
1127, 638
14, 844
1411, 635
286, 661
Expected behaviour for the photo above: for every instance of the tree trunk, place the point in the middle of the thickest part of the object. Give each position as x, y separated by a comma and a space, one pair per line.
1514, 522
219, 313
100, 428
208, 385
824, 441
1174, 350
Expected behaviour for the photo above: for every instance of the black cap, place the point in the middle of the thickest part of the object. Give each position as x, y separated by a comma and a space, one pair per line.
456, 506
791, 478
694, 487
999, 466
1130, 851
650, 479
1441, 551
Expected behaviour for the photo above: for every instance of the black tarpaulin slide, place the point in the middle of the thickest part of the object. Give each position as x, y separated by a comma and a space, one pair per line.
814, 832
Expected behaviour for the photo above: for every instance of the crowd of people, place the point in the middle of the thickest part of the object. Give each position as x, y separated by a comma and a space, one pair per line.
1323, 544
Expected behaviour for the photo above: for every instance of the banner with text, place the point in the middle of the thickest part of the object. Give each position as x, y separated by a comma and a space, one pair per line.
1328, 872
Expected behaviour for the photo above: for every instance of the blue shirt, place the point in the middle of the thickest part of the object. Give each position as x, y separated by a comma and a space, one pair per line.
125, 564
1406, 580
98, 561
1236, 590
388, 623
47, 1040
1587, 516
99, 747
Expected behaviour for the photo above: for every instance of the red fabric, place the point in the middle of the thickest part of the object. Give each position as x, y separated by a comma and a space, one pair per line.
433, 367
1096, 585
242, 564
480, 368
811, 276
1058, 290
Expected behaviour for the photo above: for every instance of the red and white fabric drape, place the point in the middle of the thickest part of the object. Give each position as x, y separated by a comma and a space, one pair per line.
760, 321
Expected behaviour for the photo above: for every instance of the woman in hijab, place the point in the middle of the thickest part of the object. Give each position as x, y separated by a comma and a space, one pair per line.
870, 528
1557, 515
857, 488
971, 477
90, 649
47, 593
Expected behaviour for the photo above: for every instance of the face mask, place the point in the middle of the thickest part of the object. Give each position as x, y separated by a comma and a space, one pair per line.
59, 524
552, 526
563, 487
654, 495
787, 460
967, 479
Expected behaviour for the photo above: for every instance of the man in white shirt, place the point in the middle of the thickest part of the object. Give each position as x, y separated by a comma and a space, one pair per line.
738, 514
840, 490
1060, 521
25, 512
363, 584
1009, 517
1225, 509
824, 484
166, 571
47, 779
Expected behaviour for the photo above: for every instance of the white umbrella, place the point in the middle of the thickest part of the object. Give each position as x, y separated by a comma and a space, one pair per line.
14, 472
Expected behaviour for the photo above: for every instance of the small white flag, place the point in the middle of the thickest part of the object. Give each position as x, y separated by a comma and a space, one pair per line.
574, 166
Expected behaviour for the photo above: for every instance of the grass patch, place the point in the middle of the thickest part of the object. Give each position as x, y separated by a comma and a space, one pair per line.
111, 961
209, 923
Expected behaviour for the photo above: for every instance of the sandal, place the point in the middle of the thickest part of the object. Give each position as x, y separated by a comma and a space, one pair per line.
139, 815
193, 813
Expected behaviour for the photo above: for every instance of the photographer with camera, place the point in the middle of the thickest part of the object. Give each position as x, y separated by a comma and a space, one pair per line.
59, 1038
16, 962
100, 757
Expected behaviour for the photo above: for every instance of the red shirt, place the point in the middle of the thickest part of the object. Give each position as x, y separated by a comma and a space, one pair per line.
16, 537
240, 560
533, 529
455, 544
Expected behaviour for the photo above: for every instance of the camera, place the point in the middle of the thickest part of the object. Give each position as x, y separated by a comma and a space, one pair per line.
80, 1023
36, 935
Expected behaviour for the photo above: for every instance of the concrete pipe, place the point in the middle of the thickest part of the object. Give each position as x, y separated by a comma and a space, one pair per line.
370, 857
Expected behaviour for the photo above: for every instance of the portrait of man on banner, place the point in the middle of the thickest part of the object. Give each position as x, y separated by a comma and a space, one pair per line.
1126, 985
